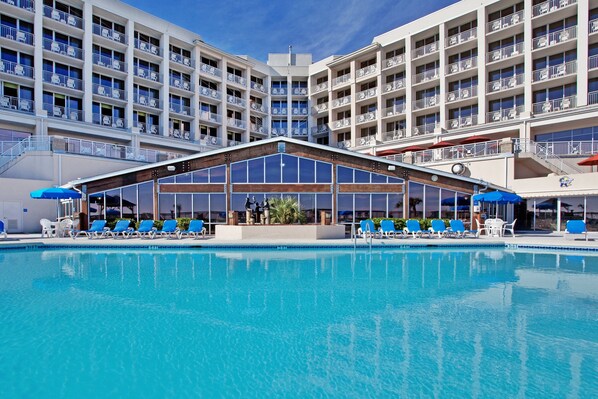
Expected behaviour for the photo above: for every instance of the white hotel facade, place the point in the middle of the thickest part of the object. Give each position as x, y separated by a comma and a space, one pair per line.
509, 88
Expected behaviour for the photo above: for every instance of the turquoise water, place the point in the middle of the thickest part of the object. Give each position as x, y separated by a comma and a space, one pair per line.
480, 323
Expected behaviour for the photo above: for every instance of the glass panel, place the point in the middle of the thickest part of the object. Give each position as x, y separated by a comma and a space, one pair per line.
185, 178
256, 170
345, 208
572, 208
432, 202
463, 206
379, 205
592, 213
344, 175
447, 204
183, 206
218, 174
129, 202
273, 169
201, 207
201, 176
546, 214
324, 204
166, 206
238, 205
362, 206
239, 172
96, 206
323, 172
290, 171
217, 208
307, 171
307, 202
362, 176
416, 200
377, 178
395, 205
112, 205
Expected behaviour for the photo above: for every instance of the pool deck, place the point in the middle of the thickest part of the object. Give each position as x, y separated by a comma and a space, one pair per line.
549, 241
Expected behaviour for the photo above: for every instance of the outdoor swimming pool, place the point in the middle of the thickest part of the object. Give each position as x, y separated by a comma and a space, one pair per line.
444, 323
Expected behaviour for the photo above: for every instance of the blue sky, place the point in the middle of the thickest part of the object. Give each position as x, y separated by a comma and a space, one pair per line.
259, 27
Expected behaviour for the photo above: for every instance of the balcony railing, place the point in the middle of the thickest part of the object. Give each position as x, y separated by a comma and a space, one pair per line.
462, 65
258, 107
278, 91
207, 92
255, 128
366, 140
299, 111
108, 62
179, 134
17, 35
107, 91
210, 70
258, 87
278, 131
109, 34
147, 47
477, 150
366, 71
464, 121
593, 26
365, 94
344, 144
555, 71
62, 80
28, 5
504, 114
346, 78
425, 50
299, 91
57, 111
426, 102
393, 61
63, 17
505, 52
462, 37
426, 76
320, 129
17, 104
180, 83
109, 121
180, 109
179, 59
341, 123
593, 97
16, 69
593, 62
319, 87
545, 151
559, 104
506, 83
427, 128
147, 128
279, 111
393, 135
231, 77
561, 148
550, 6
209, 140
554, 38
462, 94
367, 117
209, 116
148, 74
339, 102
147, 101
397, 109
64, 49
323, 107
235, 101
507, 21
395, 85
299, 131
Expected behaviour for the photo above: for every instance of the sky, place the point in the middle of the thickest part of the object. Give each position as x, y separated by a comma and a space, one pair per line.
320, 27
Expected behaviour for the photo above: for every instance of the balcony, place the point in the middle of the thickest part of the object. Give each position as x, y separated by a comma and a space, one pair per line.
16, 35
258, 87
554, 38
464, 121
233, 143
146, 128
320, 130
241, 81
63, 17
462, 37
593, 26
477, 150
210, 70
109, 121
211, 93
259, 129
147, 101
395, 85
559, 104
278, 131
209, 116
341, 80
108, 62
28, 5
322, 107
555, 71
395, 110
179, 59
299, 131
279, 111
147, 47
426, 102
367, 140
62, 80
505, 53
238, 101
462, 94
463, 65
258, 107
209, 140
17, 104
366, 71
344, 144
425, 50
426, 76
57, 111
299, 91
366, 117
506, 22
506, 83
179, 134
110, 92
506, 114
299, 111
180, 83
279, 91
109, 34
393, 135
146, 73
393, 61
180, 109
427, 128
339, 102
319, 87
13, 68
550, 6
64, 49
366, 94
341, 123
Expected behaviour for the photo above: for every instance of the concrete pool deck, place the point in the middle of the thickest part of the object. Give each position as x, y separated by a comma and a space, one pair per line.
551, 240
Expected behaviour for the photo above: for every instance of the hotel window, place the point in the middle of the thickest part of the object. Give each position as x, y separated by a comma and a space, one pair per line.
430, 66
234, 71
416, 200
144, 95
462, 28
279, 84
506, 103
279, 107
63, 106
109, 24
257, 80
463, 84
208, 131
397, 103
322, 100
142, 37
506, 11
67, 75
279, 127
77, 12
147, 123
555, 59
108, 81
395, 53
320, 80
427, 122
179, 129
398, 126
555, 93
207, 109
180, 105
555, 26
368, 108
371, 61
463, 112
108, 115
368, 131
343, 93
369, 85
208, 84
323, 140
322, 121
63, 39
11, 58
108, 53
16, 24
180, 80
427, 93
209, 61
505, 72
146, 66
341, 137
504, 43
426, 41
465, 55
16, 91
343, 115
180, 51
343, 72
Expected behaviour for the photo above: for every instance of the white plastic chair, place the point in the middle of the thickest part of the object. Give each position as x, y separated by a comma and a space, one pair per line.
47, 228
509, 227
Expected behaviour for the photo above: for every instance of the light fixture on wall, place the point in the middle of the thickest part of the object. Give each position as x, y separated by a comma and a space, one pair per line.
434, 178
171, 168
391, 168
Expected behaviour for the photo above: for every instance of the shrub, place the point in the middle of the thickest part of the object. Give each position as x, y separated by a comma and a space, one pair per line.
286, 211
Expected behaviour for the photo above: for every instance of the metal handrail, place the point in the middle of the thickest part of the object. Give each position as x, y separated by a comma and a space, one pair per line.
545, 152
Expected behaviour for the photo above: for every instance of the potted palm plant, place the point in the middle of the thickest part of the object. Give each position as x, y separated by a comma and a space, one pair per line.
286, 211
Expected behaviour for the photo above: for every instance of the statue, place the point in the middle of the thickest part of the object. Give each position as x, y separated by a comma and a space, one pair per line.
257, 213
266, 209
248, 210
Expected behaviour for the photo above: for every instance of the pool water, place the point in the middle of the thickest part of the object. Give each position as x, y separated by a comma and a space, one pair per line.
479, 323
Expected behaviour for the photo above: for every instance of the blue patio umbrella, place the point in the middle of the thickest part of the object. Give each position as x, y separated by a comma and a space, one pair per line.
55, 193
498, 197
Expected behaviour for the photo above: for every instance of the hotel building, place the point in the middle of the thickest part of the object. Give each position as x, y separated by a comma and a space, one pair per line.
501, 91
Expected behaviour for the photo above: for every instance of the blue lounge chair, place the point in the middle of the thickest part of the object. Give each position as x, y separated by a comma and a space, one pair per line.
387, 229
413, 227
169, 229
98, 229
146, 229
121, 228
574, 227
458, 229
196, 228
3, 230
439, 228
367, 228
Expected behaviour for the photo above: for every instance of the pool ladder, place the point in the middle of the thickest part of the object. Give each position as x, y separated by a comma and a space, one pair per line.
367, 233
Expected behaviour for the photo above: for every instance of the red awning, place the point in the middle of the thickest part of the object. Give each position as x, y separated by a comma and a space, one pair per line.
442, 144
383, 153
412, 148
591, 161
475, 139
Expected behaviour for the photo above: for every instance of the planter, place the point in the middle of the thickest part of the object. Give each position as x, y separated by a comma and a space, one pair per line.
279, 232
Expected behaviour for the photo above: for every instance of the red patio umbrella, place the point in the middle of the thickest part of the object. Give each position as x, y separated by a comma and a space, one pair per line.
475, 139
384, 153
442, 144
412, 148
591, 161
